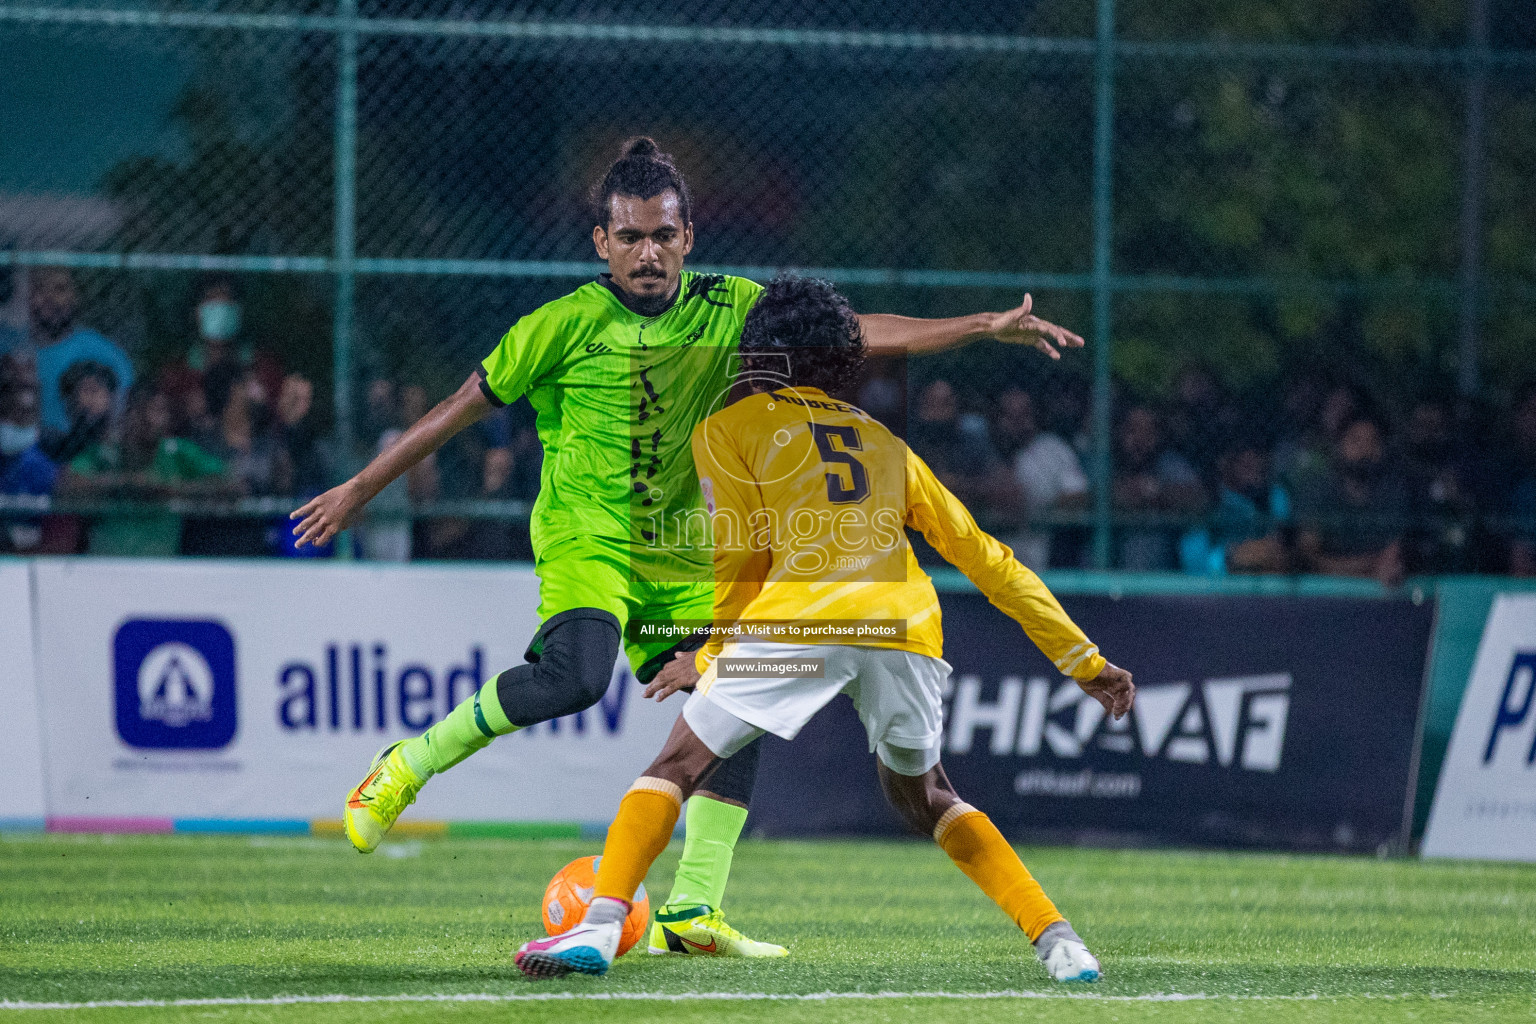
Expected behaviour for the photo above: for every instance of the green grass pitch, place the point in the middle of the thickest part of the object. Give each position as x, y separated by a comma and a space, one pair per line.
1259, 938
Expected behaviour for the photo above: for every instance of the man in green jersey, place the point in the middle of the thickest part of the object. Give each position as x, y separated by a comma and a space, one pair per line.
619, 372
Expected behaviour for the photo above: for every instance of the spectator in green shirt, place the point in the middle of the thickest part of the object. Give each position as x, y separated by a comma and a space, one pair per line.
143, 463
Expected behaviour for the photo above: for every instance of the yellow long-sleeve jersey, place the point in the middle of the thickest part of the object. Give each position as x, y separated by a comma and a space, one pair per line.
809, 499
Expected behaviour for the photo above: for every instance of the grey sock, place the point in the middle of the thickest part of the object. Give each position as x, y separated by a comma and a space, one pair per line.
1061, 931
606, 910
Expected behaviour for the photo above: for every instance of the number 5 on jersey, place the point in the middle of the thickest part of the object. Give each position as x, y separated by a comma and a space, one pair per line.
835, 444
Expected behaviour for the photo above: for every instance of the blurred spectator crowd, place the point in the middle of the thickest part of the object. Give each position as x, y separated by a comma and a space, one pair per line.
160, 457
1316, 477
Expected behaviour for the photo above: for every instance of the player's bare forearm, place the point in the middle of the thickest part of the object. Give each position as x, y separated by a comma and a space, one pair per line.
886, 332
330, 513
464, 407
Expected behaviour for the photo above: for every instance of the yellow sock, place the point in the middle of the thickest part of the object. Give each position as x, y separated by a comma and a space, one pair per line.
979, 849
639, 833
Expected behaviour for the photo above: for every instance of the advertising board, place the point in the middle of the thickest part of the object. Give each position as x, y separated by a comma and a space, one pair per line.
249, 691
1485, 804
1265, 722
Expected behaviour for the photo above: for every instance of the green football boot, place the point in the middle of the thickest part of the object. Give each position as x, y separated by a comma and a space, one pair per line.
391, 787
702, 931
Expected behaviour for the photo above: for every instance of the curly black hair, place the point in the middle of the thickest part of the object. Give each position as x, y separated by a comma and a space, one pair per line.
806, 323
643, 171
83, 369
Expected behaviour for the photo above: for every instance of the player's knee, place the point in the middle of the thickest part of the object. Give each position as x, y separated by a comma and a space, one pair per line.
581, 654
573, 672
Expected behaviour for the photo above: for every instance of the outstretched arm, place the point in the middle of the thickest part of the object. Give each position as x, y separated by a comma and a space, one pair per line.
1018, 326
333, 511
1012, 588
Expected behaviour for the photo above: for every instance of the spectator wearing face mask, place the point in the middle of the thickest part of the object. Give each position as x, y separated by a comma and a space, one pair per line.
90, 399
24, 469
1350, 520
220, 358
60, 343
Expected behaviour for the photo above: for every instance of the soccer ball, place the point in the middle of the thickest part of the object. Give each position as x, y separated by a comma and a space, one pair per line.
570, 894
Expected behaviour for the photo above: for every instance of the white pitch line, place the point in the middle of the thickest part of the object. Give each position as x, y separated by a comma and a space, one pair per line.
674, 997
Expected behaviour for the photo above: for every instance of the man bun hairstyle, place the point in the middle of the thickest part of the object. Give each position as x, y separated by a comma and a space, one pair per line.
643, 171
806, 323
642, 146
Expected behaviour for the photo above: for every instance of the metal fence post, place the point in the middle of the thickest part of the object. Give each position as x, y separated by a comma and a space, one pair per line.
1469, 278
345, 242
1103, 296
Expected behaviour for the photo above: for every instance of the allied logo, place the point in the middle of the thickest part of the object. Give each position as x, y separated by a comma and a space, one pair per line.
174, 682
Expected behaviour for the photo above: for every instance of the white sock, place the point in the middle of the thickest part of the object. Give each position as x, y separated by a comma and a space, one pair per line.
606, 910
1059, 931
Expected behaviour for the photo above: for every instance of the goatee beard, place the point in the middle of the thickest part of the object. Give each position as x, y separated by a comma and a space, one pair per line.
651, 305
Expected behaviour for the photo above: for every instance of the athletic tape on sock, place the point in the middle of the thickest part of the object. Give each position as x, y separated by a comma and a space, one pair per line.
648, 784
949, 817
480, 722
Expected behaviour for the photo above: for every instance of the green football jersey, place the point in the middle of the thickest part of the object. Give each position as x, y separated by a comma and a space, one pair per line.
617, 396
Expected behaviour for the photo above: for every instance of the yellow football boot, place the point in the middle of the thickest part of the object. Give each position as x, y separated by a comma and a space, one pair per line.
701, 931
391, 787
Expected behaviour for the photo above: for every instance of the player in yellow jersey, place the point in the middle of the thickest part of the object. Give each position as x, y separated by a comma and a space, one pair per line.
808, 499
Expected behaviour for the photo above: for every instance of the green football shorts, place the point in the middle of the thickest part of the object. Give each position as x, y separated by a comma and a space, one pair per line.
655, 615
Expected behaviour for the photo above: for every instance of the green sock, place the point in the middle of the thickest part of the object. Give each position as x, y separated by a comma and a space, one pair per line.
469, 727
712, 830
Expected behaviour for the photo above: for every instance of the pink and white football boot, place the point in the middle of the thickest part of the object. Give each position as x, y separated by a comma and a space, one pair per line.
585, 949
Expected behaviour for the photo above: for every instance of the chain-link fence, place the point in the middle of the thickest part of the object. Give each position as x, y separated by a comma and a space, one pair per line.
1269, 219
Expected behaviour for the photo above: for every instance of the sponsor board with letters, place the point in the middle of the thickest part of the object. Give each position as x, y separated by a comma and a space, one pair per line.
1485, 803
260, 691
1259, 722
253, 691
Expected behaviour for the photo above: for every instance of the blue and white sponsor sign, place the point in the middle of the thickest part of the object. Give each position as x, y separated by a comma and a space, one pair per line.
21, 798
262, 691
1485, 805
175, 684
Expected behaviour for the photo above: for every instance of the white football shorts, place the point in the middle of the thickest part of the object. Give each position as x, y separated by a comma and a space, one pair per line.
898, 694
